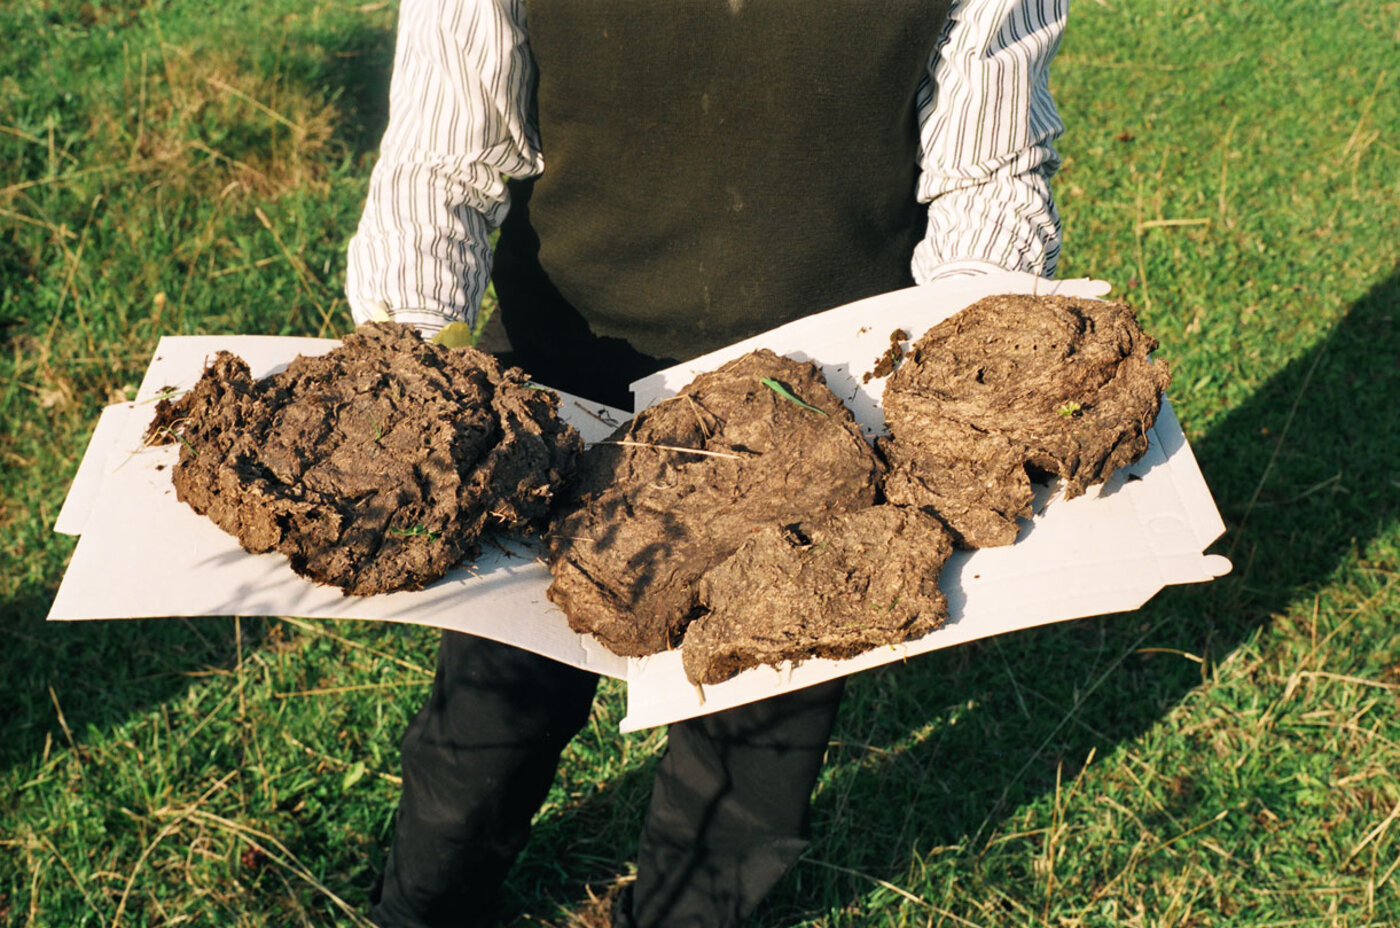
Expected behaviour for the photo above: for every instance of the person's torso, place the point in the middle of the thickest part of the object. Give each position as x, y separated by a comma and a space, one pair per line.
713, 168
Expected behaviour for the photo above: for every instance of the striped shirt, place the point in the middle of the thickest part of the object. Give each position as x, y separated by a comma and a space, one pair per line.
460, 124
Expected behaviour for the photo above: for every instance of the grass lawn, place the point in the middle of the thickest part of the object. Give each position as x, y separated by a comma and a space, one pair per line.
1229, 755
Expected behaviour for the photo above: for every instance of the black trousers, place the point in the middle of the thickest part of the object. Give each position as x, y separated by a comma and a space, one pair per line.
728, 814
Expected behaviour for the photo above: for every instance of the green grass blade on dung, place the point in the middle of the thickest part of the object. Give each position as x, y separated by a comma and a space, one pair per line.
778, 387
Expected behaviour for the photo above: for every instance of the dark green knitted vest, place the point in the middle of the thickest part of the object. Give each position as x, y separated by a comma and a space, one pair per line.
713, 168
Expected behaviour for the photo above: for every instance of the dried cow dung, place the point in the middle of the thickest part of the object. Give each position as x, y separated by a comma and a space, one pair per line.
372, 468
645, 518
832, 588
1013, 387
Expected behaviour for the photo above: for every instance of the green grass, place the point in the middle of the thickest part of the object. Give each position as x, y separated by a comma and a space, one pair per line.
1226, 756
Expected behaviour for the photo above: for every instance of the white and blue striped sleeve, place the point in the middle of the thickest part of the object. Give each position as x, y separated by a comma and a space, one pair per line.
459, 124
987, 126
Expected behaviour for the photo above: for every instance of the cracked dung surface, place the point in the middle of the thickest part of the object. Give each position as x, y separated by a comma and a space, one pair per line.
831, 588
1015, 387
374, 467
643, 522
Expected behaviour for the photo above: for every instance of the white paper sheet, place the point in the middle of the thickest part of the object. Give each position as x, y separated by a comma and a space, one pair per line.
141, 553
1107, 551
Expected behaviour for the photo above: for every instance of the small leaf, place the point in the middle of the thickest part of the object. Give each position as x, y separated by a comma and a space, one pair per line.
778, 388
454, 335
355, 774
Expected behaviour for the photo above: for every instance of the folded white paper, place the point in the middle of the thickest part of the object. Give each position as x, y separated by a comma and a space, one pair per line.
142, 553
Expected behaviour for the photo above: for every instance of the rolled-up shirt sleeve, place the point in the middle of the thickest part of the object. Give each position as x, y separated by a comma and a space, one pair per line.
987, 125
459, 124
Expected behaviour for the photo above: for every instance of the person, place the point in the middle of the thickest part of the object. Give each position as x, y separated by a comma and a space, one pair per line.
667, 179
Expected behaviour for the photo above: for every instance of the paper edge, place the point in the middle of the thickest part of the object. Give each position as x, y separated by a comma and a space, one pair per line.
86, 486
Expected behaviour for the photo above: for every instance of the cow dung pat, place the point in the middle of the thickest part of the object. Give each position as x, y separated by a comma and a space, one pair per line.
374, 467
831, 588
1012, 388
645, 518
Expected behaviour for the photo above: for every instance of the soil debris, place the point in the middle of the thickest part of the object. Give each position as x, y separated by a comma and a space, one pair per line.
890, 360
1015, 388
832, 588
374, 467
648, 514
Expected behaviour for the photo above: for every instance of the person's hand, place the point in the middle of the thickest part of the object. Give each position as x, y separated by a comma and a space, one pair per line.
452, 335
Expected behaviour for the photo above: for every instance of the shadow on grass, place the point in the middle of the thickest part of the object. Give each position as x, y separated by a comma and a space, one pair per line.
1303, 473
101, 673
357, 74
